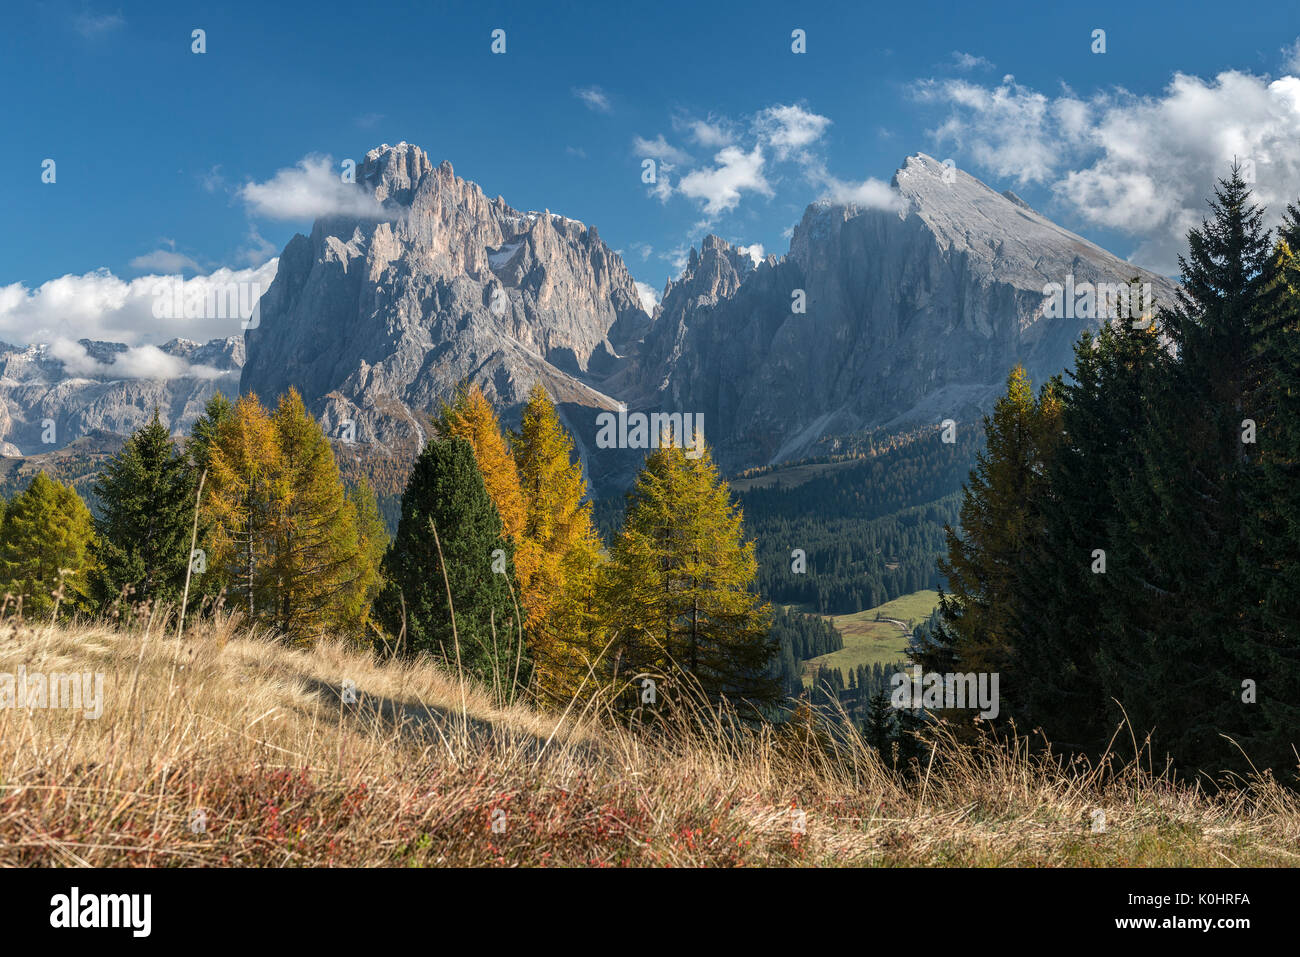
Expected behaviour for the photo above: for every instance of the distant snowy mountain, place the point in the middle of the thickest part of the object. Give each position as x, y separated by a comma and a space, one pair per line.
51, 395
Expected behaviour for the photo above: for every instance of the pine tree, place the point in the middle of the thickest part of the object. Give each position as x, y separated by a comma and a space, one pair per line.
301, 552
564, 626
45, 548
677, 589
371, 542
1267, 650
147, 496
1062, 588
470, 416
1181, 597
977, 621
203, 433
450, 544
879, 729
207, 579
911, 747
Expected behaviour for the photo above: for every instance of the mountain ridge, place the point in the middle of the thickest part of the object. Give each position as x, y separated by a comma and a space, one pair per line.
911, 314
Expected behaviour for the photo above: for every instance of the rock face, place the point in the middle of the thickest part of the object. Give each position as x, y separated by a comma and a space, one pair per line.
47, 401
912, 316
376, 321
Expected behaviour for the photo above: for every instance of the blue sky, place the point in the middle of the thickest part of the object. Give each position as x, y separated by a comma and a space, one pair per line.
155, 146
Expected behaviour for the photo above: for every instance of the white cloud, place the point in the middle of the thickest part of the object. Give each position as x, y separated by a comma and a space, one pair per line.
649, 298
165, 261
76, 360
1008, 129
659, 149
212, 180
100, 305
754, 252
136, 362
871, 193
595, 98
256, 249
662, 188
720, 187
310, 189
711, 133
1291, 57
968, 61
748, 161
789, 130
679, 257
1143, 165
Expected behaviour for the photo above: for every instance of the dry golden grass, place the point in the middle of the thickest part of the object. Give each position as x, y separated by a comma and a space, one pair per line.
255, 736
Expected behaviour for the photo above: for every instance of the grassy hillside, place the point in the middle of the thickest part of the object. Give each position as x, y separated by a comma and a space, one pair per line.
227, 749
786, 476
869, 642
915, 607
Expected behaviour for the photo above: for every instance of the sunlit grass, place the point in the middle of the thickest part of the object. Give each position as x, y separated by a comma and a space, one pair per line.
254, 737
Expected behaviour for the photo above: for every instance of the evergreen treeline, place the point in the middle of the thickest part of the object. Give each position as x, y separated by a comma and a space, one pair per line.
798, 638
45, 550
1129, 543
851, 564
831, 692
870, 528
896, 477
251, 512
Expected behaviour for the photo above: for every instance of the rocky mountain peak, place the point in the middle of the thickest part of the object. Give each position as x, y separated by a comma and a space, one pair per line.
395, 172
713, 272
378, 321
914, 313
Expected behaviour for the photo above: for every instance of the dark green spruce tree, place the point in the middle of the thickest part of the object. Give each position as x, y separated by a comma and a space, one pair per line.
1181, 593
1067, 569
204, 430
142, 545
879, 728
450, 527
1266, 650
978, 628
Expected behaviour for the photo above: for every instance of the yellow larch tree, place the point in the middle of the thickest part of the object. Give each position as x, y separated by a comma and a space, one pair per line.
243, 460
565, 632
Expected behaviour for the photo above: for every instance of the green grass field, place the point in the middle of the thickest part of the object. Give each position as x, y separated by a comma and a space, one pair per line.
867, 641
